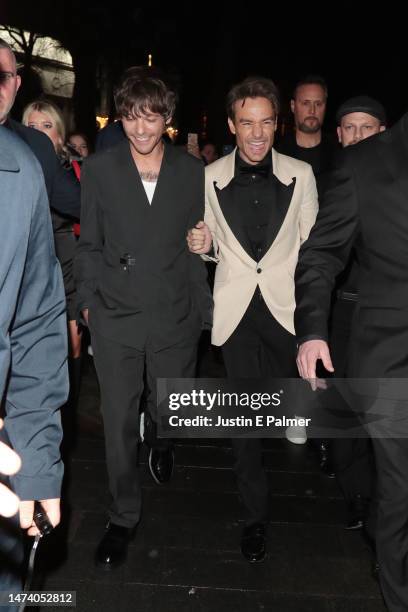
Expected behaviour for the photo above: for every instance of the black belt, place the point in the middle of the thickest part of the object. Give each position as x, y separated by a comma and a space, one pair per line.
348, 296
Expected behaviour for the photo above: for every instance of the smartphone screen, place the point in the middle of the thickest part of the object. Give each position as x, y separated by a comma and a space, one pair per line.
192, 139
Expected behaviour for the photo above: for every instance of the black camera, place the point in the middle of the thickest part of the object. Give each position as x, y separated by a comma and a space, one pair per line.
41, 520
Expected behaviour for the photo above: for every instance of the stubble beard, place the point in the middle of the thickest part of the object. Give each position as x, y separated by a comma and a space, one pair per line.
310, 129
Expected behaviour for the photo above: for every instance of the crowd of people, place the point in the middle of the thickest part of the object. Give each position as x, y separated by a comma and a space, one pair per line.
308, 238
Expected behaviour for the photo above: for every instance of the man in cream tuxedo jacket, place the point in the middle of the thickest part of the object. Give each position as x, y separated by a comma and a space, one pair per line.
260, 207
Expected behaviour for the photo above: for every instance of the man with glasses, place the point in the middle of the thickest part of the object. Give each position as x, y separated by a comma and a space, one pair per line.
62, 188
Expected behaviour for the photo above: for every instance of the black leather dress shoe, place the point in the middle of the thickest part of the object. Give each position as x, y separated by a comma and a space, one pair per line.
370, 541
253, 542
161, 463
112, 549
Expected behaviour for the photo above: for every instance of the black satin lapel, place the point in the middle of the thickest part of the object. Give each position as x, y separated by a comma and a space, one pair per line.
232, 215
284, 194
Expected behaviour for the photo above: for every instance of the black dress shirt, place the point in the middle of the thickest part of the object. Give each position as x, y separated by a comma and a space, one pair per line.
254, 193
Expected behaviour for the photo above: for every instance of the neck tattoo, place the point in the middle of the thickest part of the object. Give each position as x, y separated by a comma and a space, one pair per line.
149, 175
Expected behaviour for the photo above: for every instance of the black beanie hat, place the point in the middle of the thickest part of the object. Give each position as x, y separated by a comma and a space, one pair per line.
362, 104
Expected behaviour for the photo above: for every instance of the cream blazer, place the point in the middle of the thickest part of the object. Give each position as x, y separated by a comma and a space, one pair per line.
238, 274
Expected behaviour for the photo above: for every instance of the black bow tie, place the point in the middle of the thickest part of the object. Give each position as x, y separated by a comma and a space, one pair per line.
260, 169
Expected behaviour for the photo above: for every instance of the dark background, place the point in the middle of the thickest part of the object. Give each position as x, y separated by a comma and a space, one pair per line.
207, 46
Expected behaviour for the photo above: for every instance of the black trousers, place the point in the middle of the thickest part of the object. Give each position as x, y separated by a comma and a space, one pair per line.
379, 357
120, 372
352, 458
390, 512
258, 348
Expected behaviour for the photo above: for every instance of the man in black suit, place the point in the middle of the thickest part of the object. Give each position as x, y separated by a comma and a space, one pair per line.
62, 188
365, 206
357, 118
144, 295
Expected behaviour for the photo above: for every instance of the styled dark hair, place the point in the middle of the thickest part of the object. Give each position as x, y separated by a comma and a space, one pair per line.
82, 135
253, 87
311, 79
142, 90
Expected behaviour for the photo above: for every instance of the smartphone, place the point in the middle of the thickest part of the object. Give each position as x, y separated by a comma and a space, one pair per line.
192, 140
192, 145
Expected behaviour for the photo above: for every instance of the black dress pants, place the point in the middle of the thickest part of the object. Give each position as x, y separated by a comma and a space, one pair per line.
352, 458
258, 348
379, 357
120, 372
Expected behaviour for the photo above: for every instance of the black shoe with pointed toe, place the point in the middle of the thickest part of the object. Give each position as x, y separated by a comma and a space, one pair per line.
161, 464
112, 549
357, 513
253, 542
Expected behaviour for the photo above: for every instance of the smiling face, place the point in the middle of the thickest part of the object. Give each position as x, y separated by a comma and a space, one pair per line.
309, 107
145, 131
254, 126
357, 126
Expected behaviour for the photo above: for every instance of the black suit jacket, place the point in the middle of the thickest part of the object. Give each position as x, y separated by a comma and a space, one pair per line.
109, 136
365, 205
163, 292
62, 187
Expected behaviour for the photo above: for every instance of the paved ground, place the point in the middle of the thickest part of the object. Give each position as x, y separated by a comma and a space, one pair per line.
185, 557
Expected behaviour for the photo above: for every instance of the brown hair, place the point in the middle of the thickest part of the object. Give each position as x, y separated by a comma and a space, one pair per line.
311, 79
253, 87
82, 135
142, 90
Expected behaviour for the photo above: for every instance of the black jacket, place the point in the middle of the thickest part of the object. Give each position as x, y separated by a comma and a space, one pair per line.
320, 157
365, 205
109, 136
63, 189
162, 292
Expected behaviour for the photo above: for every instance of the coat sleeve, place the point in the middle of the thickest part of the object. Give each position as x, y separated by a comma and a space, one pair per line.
65, 196
309, 206
38, 381
325, 253
88, 254
198, 273
63, 189
210, 220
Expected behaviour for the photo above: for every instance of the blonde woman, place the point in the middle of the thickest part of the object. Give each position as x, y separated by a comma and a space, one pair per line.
43, 115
